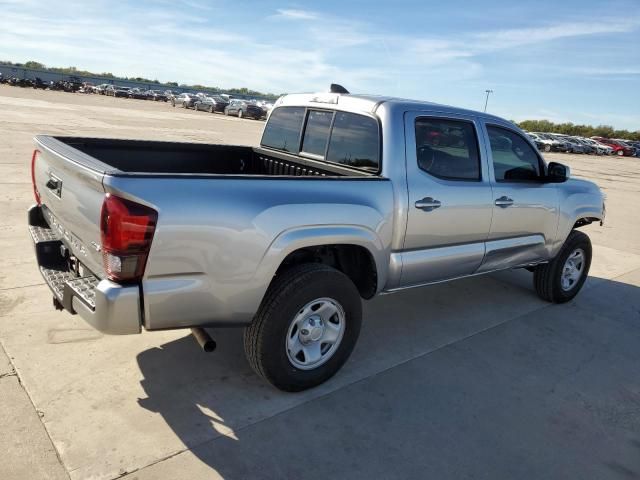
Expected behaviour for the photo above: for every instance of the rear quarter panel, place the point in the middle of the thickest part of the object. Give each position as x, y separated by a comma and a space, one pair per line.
219, 241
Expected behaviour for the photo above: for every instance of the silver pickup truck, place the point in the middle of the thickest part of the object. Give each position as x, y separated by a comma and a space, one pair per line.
347, 197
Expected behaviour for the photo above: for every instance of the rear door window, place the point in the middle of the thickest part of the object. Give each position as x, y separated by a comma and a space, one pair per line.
283, 129
355, 142
447, 149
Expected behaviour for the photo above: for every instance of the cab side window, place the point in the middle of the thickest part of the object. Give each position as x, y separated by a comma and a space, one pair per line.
447, 149
514, 160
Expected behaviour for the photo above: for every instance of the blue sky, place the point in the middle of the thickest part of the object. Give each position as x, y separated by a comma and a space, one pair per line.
560, 60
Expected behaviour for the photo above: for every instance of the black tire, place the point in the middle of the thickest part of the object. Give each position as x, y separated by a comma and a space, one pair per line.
264, 338
547, 277
547, 148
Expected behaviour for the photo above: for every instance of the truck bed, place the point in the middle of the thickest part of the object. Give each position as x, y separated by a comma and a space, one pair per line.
172, 158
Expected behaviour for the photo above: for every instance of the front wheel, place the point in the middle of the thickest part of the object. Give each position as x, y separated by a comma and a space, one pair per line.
562, 278
620, 153
306, 328
547, 148
239, 113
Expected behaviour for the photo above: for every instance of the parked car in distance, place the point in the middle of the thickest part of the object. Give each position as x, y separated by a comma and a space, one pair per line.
100, 89
629, 144
211, 104
241, 108
543, 144
574, 146
586, 147
554, 144
156, 96
138, 93
373, 195
117, 91
600, 148
537, 141
619, 148
185, 100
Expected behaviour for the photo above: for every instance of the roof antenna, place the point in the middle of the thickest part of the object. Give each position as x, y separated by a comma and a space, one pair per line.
335, 88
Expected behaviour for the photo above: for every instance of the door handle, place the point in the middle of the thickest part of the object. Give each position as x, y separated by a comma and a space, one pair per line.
504, 201
427, 204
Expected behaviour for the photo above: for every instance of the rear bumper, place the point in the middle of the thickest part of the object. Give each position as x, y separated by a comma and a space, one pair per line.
107, 306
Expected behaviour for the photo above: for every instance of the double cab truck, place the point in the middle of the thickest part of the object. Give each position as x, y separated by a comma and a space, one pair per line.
346, 197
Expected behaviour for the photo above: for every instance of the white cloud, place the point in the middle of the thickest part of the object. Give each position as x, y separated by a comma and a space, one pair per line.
294, 14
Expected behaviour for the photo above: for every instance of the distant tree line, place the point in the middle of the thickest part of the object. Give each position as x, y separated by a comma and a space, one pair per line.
606, 131
74, 71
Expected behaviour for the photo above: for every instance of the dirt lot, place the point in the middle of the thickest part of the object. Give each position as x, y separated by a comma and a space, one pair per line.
472, 379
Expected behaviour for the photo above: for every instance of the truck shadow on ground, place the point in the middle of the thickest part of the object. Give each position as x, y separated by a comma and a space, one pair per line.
517, 372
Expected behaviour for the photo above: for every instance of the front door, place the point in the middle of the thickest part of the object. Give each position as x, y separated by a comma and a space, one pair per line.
450, 199
525, 209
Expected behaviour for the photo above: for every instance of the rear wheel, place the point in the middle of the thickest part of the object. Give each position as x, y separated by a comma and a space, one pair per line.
306, 328
562, 278
210, 108
620, 153
547, 148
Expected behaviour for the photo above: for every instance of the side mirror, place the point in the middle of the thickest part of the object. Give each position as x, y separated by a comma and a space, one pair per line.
558, 173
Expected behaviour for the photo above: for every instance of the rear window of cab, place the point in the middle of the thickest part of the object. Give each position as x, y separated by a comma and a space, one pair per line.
342, 138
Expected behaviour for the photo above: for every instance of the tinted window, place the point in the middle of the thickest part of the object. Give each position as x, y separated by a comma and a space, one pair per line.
447, 149
354, 141
283, 129
513, 158
316, 134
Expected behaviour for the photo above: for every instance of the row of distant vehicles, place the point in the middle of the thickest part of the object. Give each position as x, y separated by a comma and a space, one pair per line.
557, 142
204, 102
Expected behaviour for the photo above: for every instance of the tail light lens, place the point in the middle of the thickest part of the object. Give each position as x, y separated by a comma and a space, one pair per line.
126, 230
36, 193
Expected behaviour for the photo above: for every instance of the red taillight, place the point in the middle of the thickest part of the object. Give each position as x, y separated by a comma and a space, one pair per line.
36, 193
126, 229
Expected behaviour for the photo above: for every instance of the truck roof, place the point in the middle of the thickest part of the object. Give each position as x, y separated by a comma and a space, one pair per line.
370, 103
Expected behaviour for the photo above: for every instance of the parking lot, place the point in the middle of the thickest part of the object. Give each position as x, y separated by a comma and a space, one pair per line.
476, 378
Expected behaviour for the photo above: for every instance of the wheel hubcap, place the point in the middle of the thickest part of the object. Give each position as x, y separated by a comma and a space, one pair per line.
315, 333
572, 269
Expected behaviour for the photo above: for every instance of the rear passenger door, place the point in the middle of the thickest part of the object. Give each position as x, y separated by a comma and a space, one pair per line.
525, 208
450, 198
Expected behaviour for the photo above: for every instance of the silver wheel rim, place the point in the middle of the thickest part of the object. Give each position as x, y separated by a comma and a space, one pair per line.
572, 269
315, 333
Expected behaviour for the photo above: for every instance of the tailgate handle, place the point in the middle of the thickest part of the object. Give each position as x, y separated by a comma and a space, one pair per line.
53, 184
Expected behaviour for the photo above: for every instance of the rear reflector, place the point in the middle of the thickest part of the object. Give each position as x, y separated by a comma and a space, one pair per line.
36, 193
126, 230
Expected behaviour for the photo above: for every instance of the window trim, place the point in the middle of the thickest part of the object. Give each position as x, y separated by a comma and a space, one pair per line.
450, 119
541, 163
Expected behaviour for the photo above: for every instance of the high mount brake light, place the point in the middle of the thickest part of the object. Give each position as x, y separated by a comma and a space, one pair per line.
36, 193
126, 230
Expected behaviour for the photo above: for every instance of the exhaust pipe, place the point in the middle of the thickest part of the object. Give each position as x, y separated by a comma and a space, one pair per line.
205, 341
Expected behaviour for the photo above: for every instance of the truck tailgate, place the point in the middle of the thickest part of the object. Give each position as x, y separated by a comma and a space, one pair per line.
71, 192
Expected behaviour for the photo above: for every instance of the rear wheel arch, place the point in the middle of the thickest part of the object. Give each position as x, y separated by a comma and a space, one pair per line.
355, 261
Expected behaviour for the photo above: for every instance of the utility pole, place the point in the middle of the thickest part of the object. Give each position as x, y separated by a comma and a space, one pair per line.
487, 99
